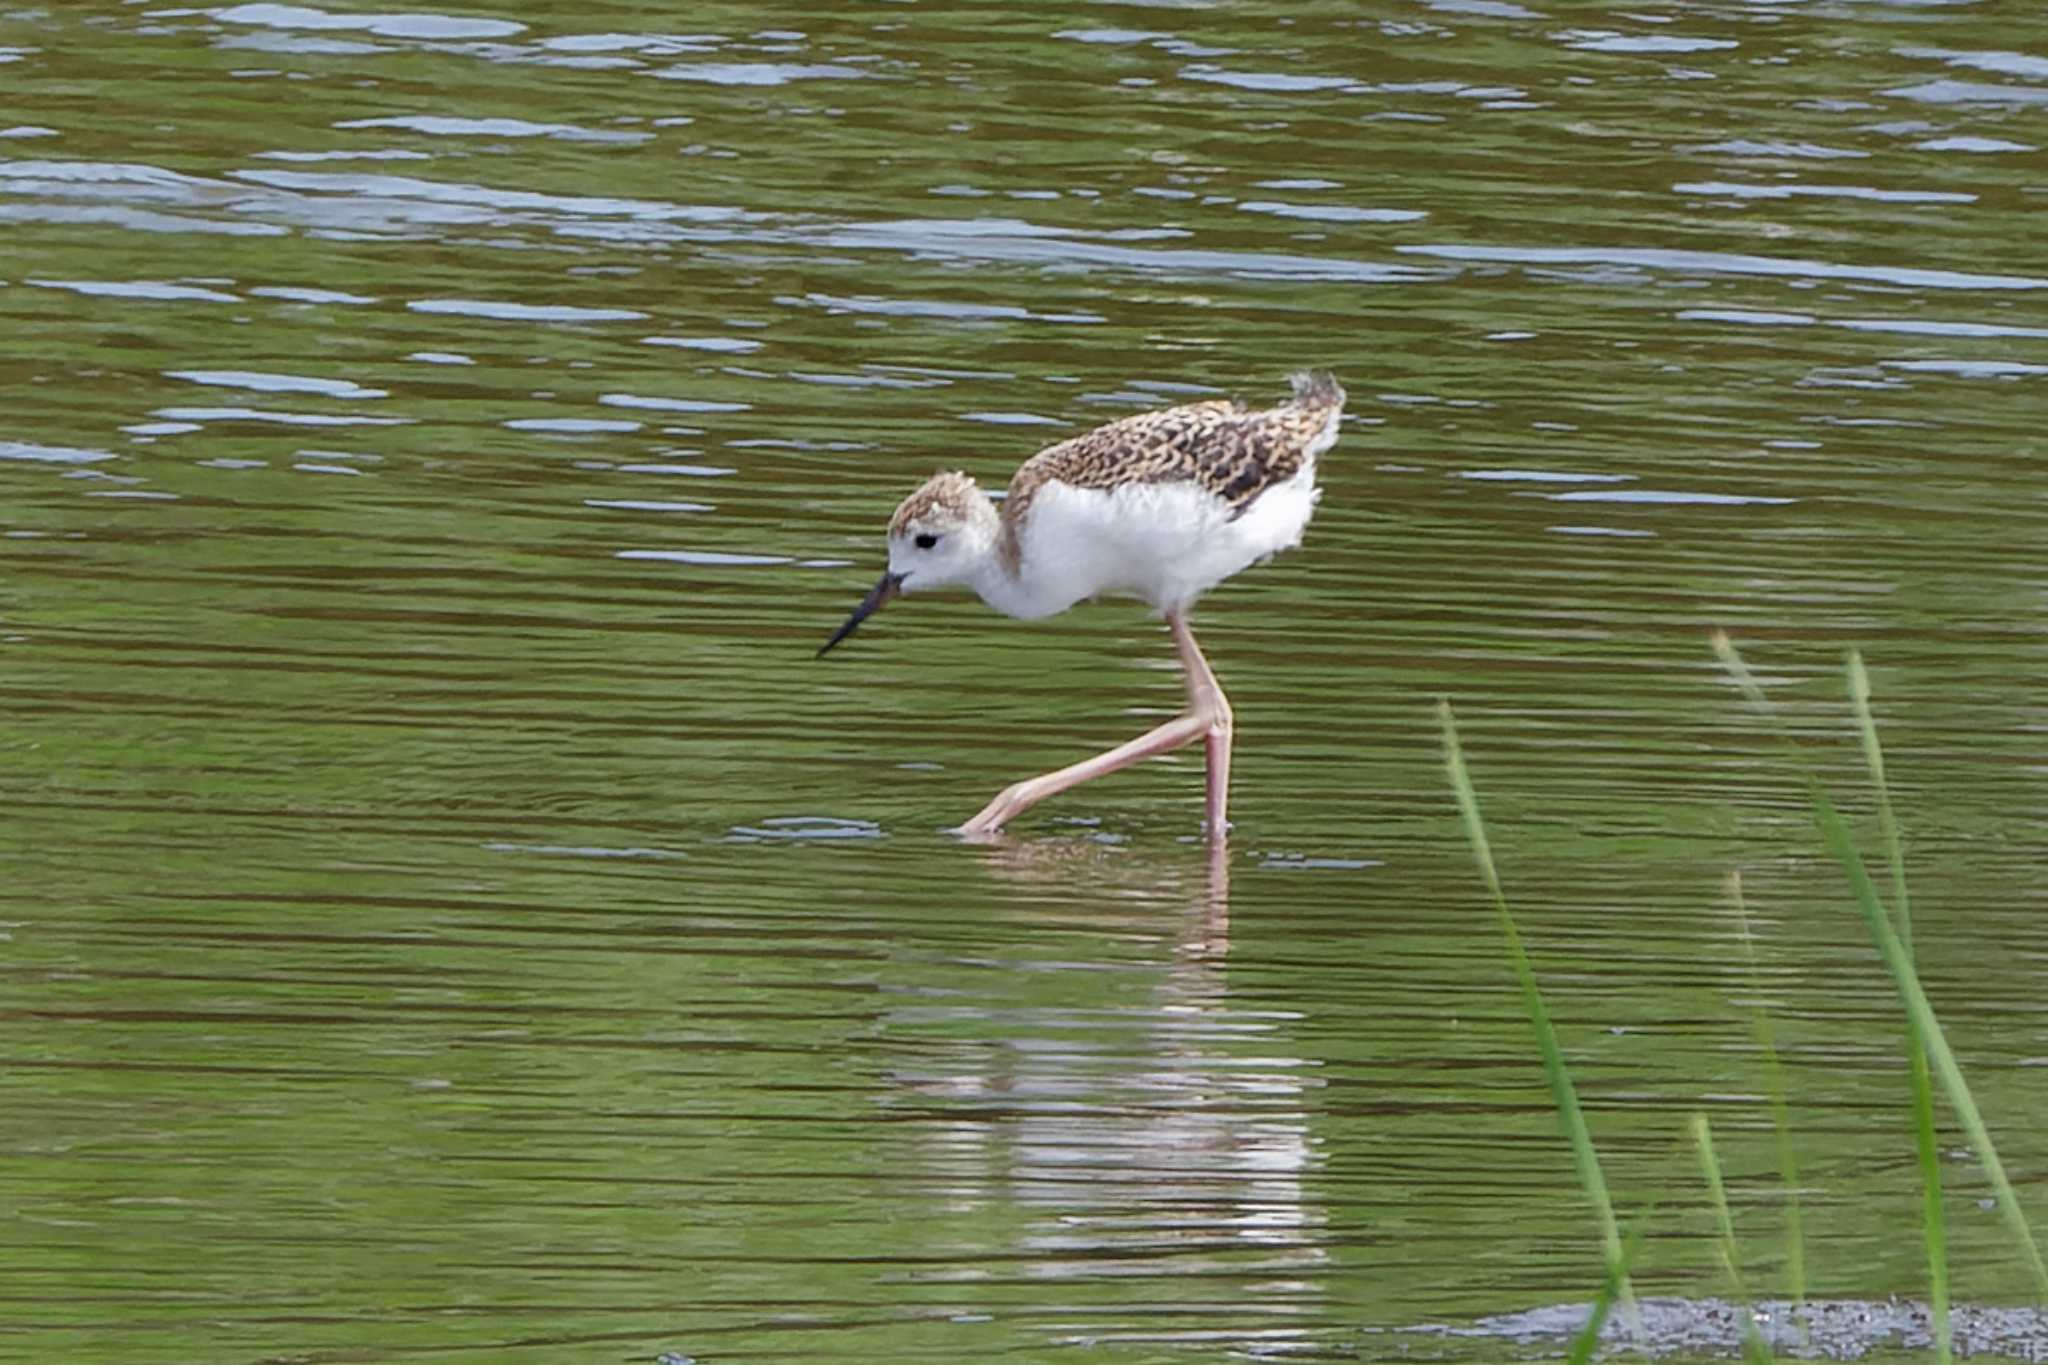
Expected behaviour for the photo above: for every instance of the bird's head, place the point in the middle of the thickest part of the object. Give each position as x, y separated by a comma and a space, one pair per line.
940, 536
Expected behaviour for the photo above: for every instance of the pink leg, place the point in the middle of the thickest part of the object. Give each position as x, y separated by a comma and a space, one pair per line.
1208, 716
1021, 796
1206, 699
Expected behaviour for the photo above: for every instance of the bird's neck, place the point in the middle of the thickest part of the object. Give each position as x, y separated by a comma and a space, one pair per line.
996, 585
1007, 582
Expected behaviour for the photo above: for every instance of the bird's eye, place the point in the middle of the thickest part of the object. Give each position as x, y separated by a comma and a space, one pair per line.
926, 541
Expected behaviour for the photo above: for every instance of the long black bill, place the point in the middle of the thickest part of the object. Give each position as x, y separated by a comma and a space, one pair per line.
890, 587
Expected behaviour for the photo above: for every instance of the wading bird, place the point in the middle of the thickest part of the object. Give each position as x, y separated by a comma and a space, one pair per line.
1161, 506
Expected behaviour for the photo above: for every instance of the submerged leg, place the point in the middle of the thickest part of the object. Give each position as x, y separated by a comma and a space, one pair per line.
1207, 717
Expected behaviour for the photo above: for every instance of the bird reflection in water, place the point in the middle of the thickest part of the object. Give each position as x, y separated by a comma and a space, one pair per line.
1095, 1105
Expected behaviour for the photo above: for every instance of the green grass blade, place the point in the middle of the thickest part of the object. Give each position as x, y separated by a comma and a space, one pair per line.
1918, 1046
1611, 1288
1836, 835
1781, 1119
1753, 1344
1932, 1221
1717, 1193
1561, 1090
1933, 1224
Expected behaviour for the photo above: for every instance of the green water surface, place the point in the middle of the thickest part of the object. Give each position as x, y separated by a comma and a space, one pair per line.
448, 913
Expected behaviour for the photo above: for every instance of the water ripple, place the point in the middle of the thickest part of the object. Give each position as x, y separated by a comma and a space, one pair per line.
1715, 262
427, 26
277, 383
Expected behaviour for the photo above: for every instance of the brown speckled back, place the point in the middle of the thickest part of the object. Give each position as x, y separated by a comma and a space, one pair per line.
1233, 453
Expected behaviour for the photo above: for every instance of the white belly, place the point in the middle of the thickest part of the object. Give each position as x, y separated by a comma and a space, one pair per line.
1166, 544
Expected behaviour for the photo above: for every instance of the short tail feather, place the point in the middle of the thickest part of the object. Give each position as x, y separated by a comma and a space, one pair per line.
1317, 389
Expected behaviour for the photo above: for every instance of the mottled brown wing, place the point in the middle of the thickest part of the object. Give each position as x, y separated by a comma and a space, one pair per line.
1233, 453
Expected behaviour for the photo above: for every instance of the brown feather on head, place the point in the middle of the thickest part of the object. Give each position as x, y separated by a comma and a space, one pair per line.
949, 494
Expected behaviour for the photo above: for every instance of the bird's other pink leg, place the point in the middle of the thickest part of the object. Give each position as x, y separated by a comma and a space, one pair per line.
1206, 701
1021, 796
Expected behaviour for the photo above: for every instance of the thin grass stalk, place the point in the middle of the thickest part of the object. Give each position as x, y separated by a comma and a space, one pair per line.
1887, 823
1932, 1221
1724, 650
1781, 1118
1561, 1090
1753, 1344
1836, 835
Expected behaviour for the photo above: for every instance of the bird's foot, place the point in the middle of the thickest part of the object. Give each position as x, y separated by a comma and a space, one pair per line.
980, 826
991, 818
